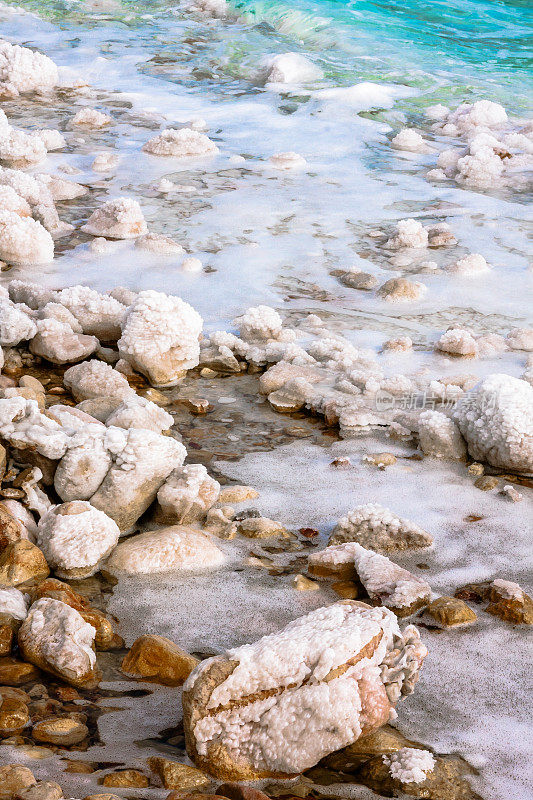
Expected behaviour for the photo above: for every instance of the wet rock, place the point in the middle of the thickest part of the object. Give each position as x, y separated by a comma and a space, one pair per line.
14, 716
16, 673
381, 742
126, 778
510, 603
261, 528
349, 590
179, 777
303, 584
359, 280
158, 660
14, 778
450, 612
175, 548
486, 483
236, 791
43, 790
380, 460
20, 562
10, 530
62, 731
237, 494
6, 639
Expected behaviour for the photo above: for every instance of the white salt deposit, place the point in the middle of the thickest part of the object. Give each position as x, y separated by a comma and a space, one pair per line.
182, 143
24, 70
165, 550
117, 219
410, 765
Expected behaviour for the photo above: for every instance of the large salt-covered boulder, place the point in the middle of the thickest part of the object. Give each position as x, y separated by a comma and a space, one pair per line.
176, 548
439, 436
15, 325
188, 494
24, 70
496, 419
85, 464
24, 426
56, 342
117, 219
142, 461
19, 149
274, 708
138, 412
98, 314
24, 241
75, 538
378, 528
56, 638
160, 336
96, 379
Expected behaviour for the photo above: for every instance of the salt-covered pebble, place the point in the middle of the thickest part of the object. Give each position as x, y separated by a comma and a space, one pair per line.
90, 118
182, 143
377, 528
117, 219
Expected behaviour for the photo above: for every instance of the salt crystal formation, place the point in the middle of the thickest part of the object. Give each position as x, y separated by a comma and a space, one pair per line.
182, 143
117, 219
410, 765
24, 70
188, 494
24, 241
288, 68
496, 419
377, 528
289, 160
410, 140
439, 436
276, 707
90, 118
160, 337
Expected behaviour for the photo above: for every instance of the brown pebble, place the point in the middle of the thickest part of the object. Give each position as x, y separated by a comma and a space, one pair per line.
486, 483
180, 777
346, 589
16, 673
60, 730
126, 778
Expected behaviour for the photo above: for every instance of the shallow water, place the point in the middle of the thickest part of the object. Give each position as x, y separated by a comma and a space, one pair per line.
269, 237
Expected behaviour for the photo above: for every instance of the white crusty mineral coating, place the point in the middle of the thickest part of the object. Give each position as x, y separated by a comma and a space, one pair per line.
96, 379
117, 219
15, 325
439, 436
410, 233
86, 463
288, 68
288, 160
98, 314
24, 241
76, 536
259, 322
520, 339
24, 425
138, 412
57, 342
11, 201
458, 342
182, 143
60, 635
496, 419
159, 244
13, 603
165, 550
188, 493
90, 118
473, 264
24, 70
508, 589
410, 140
377, 528
410, 765
160, 335
307, 711
20, 149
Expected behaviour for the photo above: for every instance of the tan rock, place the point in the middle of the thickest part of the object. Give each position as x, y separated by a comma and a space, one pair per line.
510, 603
17, 673
13, 692
178, 776
43, 790
219, 522
349, 590
102, 797
450, 612
10, 530
6, 638
237, 494
13, 778
385, 740
20, 562
62, 731
79, 768
486, 483
125, 778
381, 460
158, 660
303, 584
14, 716
261, 528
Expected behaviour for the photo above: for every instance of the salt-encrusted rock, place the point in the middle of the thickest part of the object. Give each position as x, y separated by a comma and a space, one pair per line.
288, 68
11, 201
13, 604
385, 582
357, 279
410, 140
377, 528
160, 337
30, 294
158, 660
458, 342
96, 379
105, 162
25, 70
43, 790
56, 311
520, 339
61, 189
98, 314
117, 219
276, 707
75, 538
508, 601
176, 776
261, 528
288, 160
20, 562
56, 638
56, 342
15, 325
401, 289
409, 233
219, 522
496, 419
142, 461
237, 494
188, 494
183, 143
19, 149
471, 265
138, 412
439, 436
105, 637
404, 771
14, 777
62, 731
176, 548
90, 118
159, 244
24, 241
450, 612
126, 778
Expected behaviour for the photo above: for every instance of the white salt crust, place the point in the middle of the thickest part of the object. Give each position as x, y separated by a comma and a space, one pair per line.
410, 765
508, 589
76, 536
439, 436
188, 493
182, 143
61, 636
24, 241
138, 412
374, 526
90, 118
13, 603
24, 70
96, 379
166, 550
288, 68
117, 219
